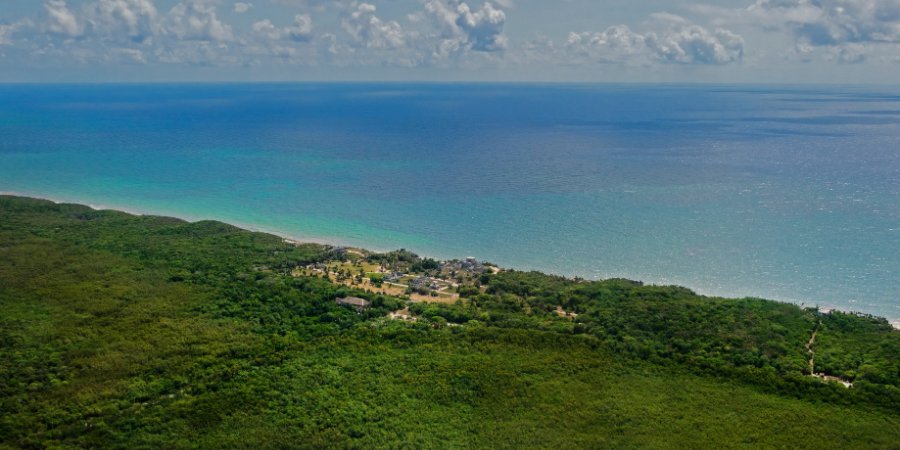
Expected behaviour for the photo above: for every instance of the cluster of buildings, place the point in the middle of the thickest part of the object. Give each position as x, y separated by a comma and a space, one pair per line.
424, 283
393, 277
470, 264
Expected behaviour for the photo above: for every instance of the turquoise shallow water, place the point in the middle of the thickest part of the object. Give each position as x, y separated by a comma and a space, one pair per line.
779, 192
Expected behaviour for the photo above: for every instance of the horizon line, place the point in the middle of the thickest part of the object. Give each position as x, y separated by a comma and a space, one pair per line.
450, 82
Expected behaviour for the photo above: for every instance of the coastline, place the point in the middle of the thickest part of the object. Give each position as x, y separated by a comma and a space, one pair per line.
338, 242
300, 239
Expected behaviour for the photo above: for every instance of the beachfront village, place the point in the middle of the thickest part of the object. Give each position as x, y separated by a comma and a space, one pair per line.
415, 280
400, 274
406, 276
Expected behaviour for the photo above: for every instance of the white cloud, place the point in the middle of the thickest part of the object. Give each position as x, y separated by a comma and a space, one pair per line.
832, 22
461, 28
845, 31
450, 34
484, 27
197, 20
693, 44
300, 31
849, 53
137, 19
128, 55
444, 17
369, 31
615, 44
674, 40
60, 19
8, 30
196, 53
267, 29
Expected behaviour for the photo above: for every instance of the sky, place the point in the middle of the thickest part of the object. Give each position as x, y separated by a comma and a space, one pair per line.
725, 41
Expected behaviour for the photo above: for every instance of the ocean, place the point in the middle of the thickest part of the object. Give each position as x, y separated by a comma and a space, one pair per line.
784, 192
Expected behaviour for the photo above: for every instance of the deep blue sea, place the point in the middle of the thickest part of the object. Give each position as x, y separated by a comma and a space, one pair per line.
788, 193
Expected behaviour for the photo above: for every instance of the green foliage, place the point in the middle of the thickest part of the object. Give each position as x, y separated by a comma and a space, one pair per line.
424, 265
858, 347
753, 340
468, 291
402, 256
457, 313
377, 279
123, 331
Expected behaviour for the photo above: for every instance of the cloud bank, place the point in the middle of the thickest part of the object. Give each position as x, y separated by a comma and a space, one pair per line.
676, 41
446, 34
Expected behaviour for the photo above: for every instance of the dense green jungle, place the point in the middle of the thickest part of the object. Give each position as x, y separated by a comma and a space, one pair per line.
125, 331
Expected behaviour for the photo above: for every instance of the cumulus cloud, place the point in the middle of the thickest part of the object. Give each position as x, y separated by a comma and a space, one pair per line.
129, 55
196, 53
60, 19
447, 33
838, 30
137, 32
484, 27
440, 32
136, 19
676, 41
691, 44
8, 30
849, 53
266, 29
435, 32
616, 43
462, 27
197, 20
300, 31
369, 31
833, 22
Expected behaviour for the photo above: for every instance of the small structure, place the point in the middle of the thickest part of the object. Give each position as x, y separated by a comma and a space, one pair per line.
470, 264
565, 314
393, 277
424, 283
404, 315
360, 304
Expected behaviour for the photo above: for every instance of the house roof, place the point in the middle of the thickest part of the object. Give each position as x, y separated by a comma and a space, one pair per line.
353, 301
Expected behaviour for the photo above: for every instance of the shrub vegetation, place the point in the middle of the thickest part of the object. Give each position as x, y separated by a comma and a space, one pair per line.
127, 331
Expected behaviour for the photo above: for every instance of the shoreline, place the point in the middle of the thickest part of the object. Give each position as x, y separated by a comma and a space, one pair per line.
338, 242
321, 240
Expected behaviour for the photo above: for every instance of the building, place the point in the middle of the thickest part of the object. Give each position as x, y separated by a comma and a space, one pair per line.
393, 277
359, 303
472, 265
